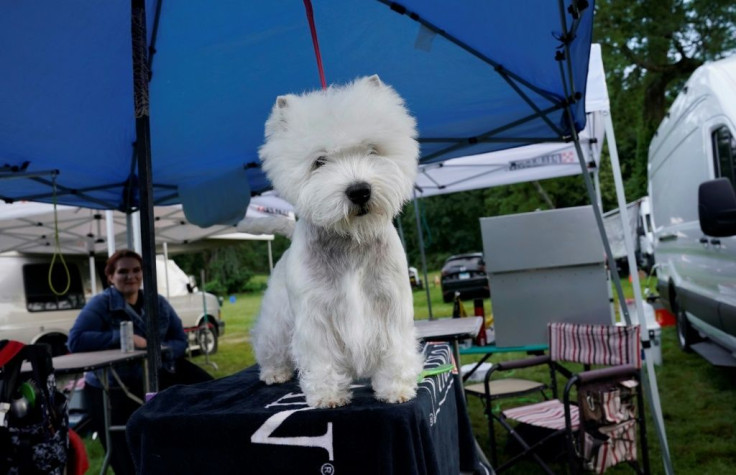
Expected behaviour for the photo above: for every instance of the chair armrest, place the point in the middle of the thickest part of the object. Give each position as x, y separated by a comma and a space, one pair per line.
525, 363
613, 372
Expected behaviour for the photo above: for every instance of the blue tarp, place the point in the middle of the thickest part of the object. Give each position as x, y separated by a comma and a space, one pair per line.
66, 91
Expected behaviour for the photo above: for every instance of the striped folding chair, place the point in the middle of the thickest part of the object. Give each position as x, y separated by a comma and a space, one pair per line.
497, 386
599, 425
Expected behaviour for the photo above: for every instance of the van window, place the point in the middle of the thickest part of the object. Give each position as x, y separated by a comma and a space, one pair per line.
724, 152
40, 297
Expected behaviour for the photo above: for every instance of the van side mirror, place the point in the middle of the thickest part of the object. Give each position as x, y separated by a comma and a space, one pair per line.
717, 208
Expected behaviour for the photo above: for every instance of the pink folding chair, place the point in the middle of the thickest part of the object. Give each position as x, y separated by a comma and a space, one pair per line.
599, 426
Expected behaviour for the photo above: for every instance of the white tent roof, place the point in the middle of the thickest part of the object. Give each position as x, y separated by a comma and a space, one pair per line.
30, 227
528, 163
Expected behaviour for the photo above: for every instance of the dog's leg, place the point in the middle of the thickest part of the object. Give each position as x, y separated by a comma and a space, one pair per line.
322, 374
395, 378
273, 329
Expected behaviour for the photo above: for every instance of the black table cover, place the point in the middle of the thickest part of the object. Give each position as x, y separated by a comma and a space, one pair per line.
239, 425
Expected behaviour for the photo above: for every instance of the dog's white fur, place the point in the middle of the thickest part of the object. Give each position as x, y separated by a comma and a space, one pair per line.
338, 305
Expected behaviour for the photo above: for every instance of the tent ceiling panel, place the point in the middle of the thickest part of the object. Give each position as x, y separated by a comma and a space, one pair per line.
66, 103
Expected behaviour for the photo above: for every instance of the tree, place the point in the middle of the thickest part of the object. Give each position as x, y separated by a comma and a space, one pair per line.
449, 226
650, 48
229, 268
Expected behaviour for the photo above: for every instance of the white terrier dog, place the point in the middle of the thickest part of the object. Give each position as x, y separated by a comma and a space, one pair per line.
339, 305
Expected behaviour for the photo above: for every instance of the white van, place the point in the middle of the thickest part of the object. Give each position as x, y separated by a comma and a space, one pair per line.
638, 213
692, 173
646, 234
31, 312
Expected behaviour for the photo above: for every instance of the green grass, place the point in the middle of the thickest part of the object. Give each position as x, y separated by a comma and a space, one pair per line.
697, 399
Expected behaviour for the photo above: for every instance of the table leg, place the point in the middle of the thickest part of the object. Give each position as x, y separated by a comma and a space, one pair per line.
456, 351
106, 411
146, 384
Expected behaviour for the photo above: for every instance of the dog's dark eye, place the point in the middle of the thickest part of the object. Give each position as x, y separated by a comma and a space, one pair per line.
321, 160
372, 150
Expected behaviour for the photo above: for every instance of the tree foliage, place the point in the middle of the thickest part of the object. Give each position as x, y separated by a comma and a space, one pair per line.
650, 48
229, 268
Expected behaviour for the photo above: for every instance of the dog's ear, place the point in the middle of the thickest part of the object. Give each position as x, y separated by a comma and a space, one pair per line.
278, 113
374, 80
282, 102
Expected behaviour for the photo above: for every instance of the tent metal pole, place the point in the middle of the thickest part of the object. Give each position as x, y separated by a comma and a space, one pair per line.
400, 9
421, 250
400, 228
465, 142
141, 77
543, 194
92, 272
129, 231
110, 229
651, 379
62, 190
651, 391
601, 228
166, 269
270, 256
136, 235
597, 180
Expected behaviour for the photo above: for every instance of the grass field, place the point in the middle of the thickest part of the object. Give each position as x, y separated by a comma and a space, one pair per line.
698, 400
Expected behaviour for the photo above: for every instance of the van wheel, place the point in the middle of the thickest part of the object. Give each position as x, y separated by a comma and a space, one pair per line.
57, 344
207, 339
686, 334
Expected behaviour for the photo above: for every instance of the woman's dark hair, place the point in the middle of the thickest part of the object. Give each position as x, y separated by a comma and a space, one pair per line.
112, 262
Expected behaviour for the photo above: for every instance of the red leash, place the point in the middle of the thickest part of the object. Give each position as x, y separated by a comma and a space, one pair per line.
310, 17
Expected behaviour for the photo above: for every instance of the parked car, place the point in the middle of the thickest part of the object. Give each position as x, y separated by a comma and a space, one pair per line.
692, 172
464, 273
414, 279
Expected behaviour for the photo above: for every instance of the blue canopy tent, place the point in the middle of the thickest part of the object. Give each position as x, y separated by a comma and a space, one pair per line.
77, 129
479, 76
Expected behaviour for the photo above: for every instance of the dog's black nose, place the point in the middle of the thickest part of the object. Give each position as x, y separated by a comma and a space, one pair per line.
359, 193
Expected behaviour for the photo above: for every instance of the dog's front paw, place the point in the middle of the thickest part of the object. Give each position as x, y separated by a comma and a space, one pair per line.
276, 375
328, 400
396, 393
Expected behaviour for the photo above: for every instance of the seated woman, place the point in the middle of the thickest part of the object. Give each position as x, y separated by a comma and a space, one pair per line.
98, 328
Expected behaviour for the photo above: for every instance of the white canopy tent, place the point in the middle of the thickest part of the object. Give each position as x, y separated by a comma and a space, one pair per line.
31, 227
41, 228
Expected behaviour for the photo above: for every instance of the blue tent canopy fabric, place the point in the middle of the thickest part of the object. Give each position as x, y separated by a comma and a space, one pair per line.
479, 76
74, 127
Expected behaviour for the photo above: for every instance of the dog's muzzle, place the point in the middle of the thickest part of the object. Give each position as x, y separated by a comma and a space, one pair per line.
359, 193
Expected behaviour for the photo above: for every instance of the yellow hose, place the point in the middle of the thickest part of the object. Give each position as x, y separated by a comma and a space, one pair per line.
57, 251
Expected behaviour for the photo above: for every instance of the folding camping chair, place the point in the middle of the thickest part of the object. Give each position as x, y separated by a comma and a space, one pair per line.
599, 428
495, 388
